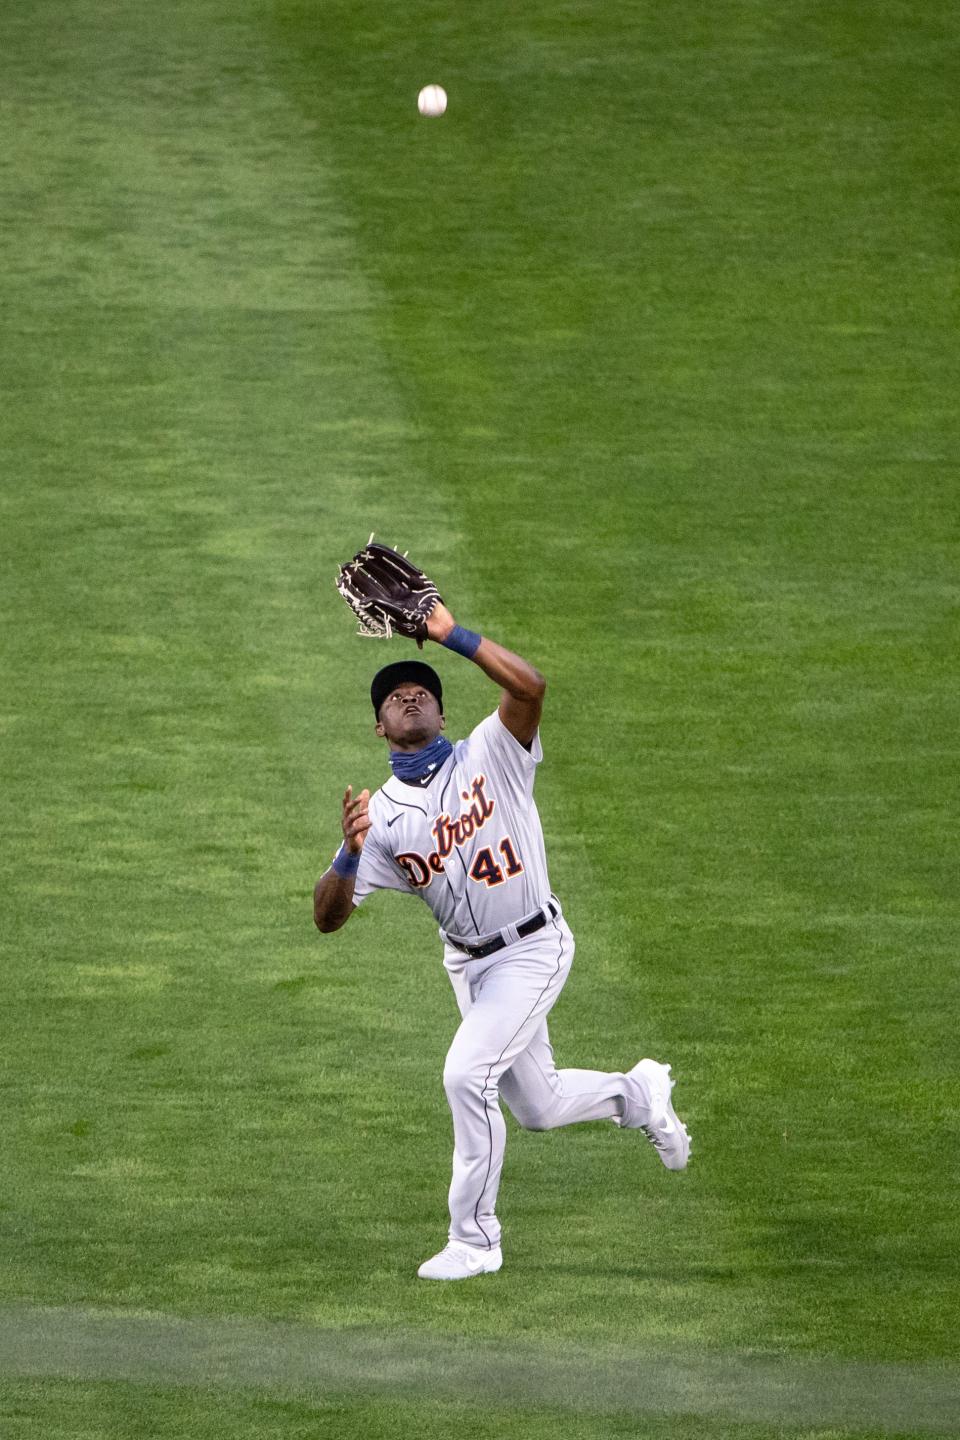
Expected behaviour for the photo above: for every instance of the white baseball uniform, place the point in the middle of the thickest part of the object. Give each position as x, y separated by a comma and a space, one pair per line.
470, 844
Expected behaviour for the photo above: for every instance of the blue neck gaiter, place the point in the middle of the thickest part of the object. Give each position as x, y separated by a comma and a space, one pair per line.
414, 764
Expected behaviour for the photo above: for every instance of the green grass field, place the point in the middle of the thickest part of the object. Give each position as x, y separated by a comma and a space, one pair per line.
649, 352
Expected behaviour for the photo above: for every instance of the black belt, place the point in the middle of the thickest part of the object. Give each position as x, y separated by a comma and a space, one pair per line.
529, 927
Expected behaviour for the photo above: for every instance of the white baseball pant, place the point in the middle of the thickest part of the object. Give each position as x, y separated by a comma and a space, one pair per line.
502, 1048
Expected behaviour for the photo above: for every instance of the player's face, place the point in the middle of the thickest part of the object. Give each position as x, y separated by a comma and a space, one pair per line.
410, 717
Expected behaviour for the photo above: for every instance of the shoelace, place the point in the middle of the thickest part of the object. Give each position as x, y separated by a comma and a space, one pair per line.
454, 1252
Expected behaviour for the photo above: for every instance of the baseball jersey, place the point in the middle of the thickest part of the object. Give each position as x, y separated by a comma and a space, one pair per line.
470, 843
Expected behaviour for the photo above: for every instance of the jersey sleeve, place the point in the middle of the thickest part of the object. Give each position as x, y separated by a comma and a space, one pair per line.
378, 870
497, 753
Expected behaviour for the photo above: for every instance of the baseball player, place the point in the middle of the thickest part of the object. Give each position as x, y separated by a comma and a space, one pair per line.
457, 825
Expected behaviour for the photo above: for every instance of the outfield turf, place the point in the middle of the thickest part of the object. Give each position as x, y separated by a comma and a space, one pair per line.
648, 352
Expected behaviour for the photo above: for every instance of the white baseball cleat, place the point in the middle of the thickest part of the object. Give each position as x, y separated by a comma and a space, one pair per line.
651, 1110
459, 1261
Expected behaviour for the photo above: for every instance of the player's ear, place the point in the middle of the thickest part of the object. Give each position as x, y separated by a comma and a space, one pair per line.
443, 721
379, 730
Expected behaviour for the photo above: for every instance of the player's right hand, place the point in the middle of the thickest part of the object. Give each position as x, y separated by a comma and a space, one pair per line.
356, 821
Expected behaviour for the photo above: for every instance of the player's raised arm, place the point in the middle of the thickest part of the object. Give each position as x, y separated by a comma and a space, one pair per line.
333, 892
523, 687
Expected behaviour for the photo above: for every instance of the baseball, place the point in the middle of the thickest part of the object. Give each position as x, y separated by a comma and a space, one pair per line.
432, 100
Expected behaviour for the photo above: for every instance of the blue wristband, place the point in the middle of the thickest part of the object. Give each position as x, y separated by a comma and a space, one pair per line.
345, 864
465, 642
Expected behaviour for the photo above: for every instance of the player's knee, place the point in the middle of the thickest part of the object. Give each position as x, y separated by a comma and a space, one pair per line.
462, 1082
532, 1119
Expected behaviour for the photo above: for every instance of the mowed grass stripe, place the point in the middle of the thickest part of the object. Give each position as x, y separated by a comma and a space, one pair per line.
295, 1359
196, 426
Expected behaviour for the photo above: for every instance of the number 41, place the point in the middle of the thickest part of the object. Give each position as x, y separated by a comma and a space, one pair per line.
485, 868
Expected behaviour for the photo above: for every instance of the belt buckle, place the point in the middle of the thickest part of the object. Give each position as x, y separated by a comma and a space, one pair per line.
490, 947
473, 952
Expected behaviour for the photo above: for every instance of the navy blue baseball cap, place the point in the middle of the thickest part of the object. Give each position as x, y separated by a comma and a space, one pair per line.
393, 675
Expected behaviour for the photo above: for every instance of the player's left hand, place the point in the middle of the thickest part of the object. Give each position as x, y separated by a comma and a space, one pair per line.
387, 593
439, 623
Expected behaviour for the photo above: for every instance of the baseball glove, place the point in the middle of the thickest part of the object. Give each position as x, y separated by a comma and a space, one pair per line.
387, 593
